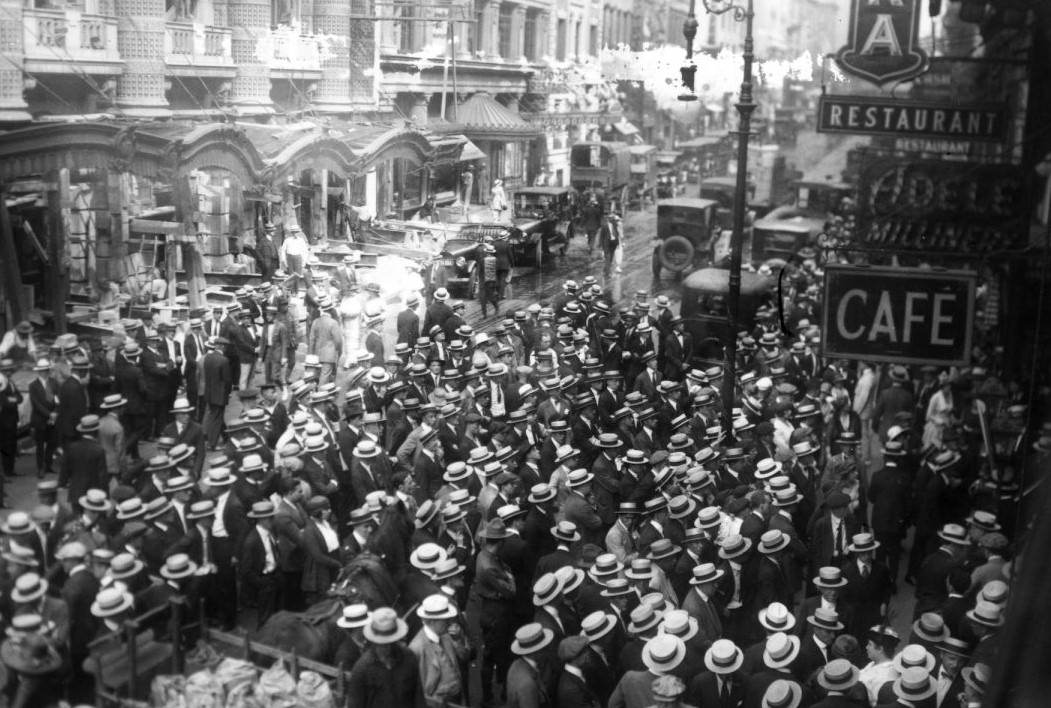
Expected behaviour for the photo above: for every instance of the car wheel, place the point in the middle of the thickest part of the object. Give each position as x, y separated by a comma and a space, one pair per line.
676, 253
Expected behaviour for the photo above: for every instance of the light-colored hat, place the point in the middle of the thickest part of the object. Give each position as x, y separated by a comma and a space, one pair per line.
354, 616
663, 653
775, 617
780, 650
531, 638
28, 588
385, 627
723, 657
436, 607
111, 601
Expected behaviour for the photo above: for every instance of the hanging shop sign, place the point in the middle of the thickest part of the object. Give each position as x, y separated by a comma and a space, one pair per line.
898, 117
902, 315
952, 206
883, 38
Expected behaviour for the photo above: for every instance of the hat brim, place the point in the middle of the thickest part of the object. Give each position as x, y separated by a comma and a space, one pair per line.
932, 689
841, 686
548, 637
401, 629
189, 572
606, 628
720, 669
137, 567
823, 584
787, 659
664, 667
719, 572
786, 541
125, 605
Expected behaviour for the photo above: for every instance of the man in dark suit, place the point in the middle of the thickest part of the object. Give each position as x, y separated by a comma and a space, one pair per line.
648, 378
193, 350
274, 345
258, 561
228, 527
890, 494
186, 431
721, 686
573, 688
815, 649
43, 397
409, 321
73, 395
84, 464
771, 576
869, 585
78, 591
831, 532
678, 350
130, 384
156, 370
289, 522
438, 311
218, 382
931, 587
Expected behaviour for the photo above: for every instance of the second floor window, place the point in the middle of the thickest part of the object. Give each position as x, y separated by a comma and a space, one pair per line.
560, 48
504, 29
529, 36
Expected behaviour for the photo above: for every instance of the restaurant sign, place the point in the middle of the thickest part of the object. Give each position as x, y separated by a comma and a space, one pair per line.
952, 206
883, 41
898, 117
901, 315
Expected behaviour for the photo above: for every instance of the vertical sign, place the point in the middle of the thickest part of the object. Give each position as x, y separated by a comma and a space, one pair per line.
883, 41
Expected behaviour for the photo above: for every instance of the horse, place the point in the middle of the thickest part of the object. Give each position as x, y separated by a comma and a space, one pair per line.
313, 634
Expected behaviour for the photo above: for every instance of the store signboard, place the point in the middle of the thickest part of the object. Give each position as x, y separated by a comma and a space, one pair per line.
883, 41
903, 118
899, 315
941, 206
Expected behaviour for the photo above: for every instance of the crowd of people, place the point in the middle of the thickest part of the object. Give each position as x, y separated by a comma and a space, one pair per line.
555, 501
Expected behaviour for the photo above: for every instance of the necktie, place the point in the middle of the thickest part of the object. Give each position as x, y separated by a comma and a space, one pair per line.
724, 692
864, 570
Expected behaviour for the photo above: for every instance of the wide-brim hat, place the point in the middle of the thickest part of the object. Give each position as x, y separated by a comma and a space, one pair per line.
706, 573
782, 693
436, 607
113, 401
773, 541
95, 500
110, 602
775, 617
385, 627
914, 685
32, 588
663, 654
354, 616
829, 578
863, 542
178, 566
954, 533
734, 547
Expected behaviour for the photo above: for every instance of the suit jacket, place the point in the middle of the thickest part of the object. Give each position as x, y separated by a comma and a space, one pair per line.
408, 327
810, 659
930, 582
710, 627
646, 384
823, 544
326, 339
84, 467
252, 562
79, 592
677, 356
772, 584
111, 437
575, 692
865, 595
703, 690
526, 688
320, 566
74, 398
217, 378
274, 341
582, 512
130, 384
289, 522
44, 401
633, 691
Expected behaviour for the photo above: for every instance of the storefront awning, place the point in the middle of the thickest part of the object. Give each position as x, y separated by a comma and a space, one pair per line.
482, 117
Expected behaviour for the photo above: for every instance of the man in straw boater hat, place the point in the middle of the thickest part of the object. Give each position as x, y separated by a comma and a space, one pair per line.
440, 649
495, 587
84, 461
780, 654
661, 655
387, 674
259, 563
722, 685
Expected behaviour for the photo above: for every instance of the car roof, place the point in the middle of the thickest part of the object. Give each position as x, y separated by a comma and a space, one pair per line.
544, 190
687, 202
717, 280
796, 224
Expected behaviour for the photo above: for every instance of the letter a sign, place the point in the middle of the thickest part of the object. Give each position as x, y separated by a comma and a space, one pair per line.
883, 41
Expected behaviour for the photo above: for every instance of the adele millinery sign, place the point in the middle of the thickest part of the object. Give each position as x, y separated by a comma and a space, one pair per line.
883, 41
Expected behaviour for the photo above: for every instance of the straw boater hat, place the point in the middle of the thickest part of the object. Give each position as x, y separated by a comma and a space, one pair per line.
111, 601
914, 685
354, 616
780, 650
723, 657
531, 638
663, 654
178, 566
838, 675
776, 618
782, 694
385, 627
28, 588
436, 607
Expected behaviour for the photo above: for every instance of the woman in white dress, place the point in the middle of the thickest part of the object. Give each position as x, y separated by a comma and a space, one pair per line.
939, 415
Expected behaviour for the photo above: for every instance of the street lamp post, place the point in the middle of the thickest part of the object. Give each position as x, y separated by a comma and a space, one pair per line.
745, 107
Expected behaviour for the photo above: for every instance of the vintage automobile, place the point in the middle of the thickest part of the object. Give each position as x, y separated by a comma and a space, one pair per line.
669, 169
769, 238
704, 295
457, 265
643, 175
604, 168
685, 227
544, 213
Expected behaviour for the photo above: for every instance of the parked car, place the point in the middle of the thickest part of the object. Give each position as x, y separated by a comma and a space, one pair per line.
459, 264
546, 213
527, 244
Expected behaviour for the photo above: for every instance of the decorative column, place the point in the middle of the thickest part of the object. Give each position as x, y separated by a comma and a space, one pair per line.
332, 18
250, 21
492, 23
140, 38
13, 105
542, 36
518, 17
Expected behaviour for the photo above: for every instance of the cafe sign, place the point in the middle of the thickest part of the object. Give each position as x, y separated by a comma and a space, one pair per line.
883, 41
901, 315
921, 119
941, 206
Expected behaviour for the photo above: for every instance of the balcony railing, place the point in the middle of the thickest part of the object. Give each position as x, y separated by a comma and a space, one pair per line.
67, 38
193, 44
